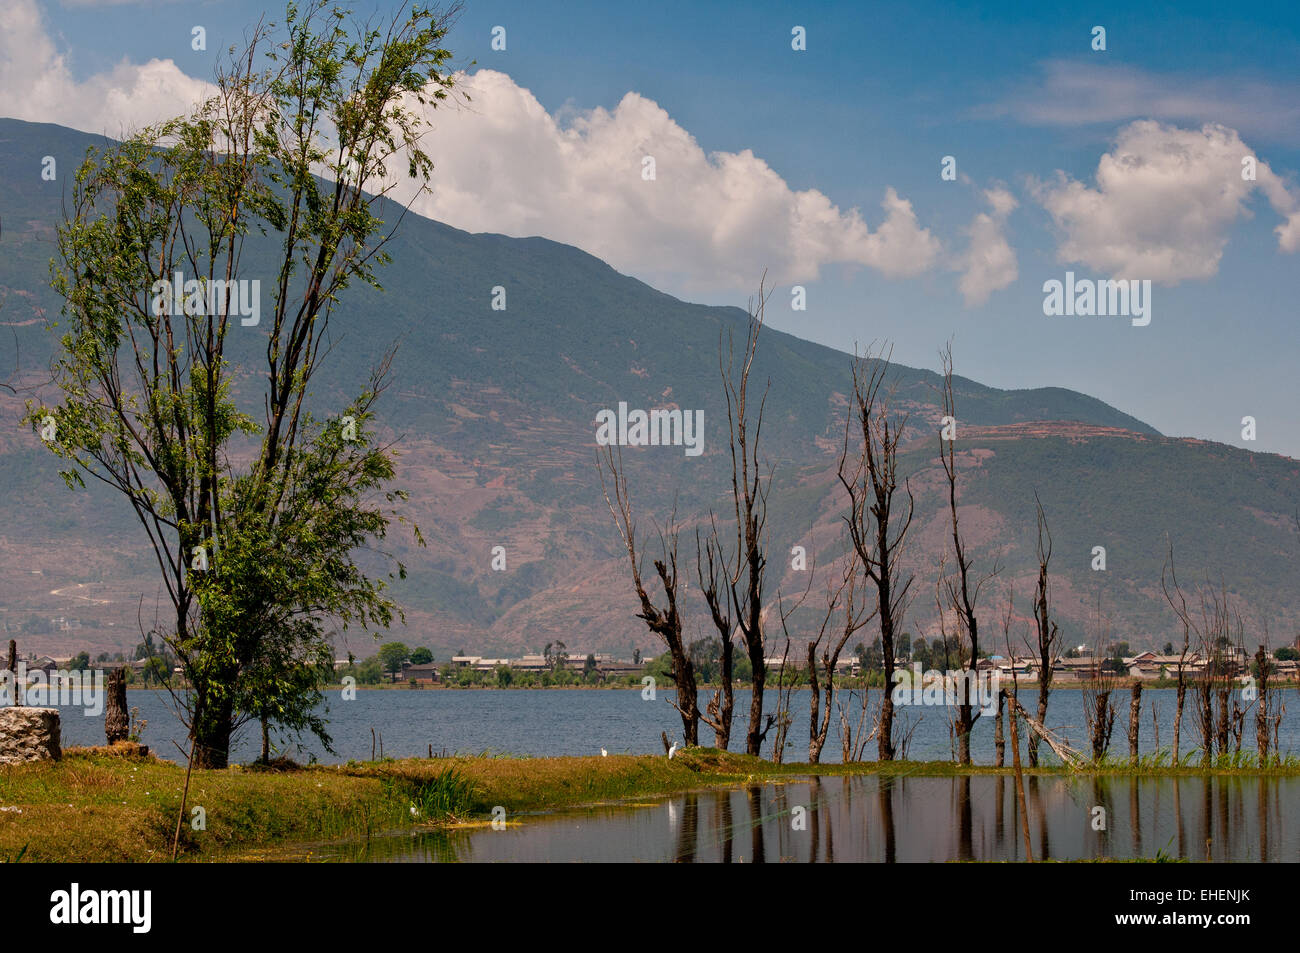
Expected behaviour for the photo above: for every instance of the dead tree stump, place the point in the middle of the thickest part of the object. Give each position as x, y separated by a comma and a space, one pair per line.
117, 720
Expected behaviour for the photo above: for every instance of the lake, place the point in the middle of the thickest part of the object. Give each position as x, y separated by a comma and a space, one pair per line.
553, 722
886, 819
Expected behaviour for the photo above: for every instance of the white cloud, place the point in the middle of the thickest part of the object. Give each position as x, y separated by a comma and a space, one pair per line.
37, 85
989, 262
1165, 201
1083, 92
707, 221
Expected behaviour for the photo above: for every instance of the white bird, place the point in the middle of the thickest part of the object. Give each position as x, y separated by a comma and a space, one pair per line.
672, 751
604, 753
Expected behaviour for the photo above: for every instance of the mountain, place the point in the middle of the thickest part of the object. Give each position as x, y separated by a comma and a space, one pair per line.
495, 410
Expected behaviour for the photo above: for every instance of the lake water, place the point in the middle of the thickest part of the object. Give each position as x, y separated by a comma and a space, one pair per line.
888, 819
570, 722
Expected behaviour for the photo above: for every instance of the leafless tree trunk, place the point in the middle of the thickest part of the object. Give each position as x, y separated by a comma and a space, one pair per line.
1020, 780
1168, 578
1048, 645
1264, 667
1098, 709
117, 718
665, 622
963, 592
749, 489
721, 707
846, 598
878, 532
1134, 713
999, 742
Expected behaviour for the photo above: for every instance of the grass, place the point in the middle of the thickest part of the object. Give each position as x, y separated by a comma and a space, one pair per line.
94, 805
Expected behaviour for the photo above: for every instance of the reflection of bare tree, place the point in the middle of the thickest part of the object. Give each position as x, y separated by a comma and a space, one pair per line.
965, 846
1135, 816
722, 822
886, 796
1000, 792
1178, 817
1261, 808
1035, 795
1207, 818
756, 847
814, 818
688, 830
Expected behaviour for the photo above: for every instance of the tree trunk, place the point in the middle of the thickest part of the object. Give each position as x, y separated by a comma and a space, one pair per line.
1262, 708
117, 719
999, 743
1020, 784
1044, 687
1221, 734
754, 736
1134, 711
1178, 713
210, 733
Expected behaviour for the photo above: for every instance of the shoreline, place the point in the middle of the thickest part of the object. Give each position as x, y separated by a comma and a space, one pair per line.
97, 805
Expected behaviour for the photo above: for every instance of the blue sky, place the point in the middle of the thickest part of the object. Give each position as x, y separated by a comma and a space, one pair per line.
883, 91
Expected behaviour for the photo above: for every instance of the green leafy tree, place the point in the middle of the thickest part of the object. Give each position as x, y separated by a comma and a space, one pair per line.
80, 662
369, 672
421, 656
155, 671
391, 657
300, 125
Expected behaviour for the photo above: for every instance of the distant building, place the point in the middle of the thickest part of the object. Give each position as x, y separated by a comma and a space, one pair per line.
424, 672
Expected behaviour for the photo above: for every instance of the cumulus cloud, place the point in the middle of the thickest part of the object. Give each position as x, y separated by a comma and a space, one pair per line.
1165, 201
706, 220
37, 85
989, 262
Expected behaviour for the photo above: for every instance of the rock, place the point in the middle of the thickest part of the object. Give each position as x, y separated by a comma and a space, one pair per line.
29, 734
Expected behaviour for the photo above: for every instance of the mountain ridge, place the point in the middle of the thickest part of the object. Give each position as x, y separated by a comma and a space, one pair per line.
495, 413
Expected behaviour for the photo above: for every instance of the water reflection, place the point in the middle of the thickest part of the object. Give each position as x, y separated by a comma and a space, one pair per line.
892, 819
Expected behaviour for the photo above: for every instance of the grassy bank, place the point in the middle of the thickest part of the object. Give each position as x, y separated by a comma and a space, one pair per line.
97, 806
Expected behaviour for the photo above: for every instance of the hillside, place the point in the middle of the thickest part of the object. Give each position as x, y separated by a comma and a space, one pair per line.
494, 411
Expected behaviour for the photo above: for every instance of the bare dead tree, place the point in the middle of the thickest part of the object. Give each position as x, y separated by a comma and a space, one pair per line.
780, 719
744, 574
664, 621
1098, 709
1263, 671
1047, 647
1134, 713
853, 615
1177, 602
963, 590
877, 530
999, 739
721, 707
